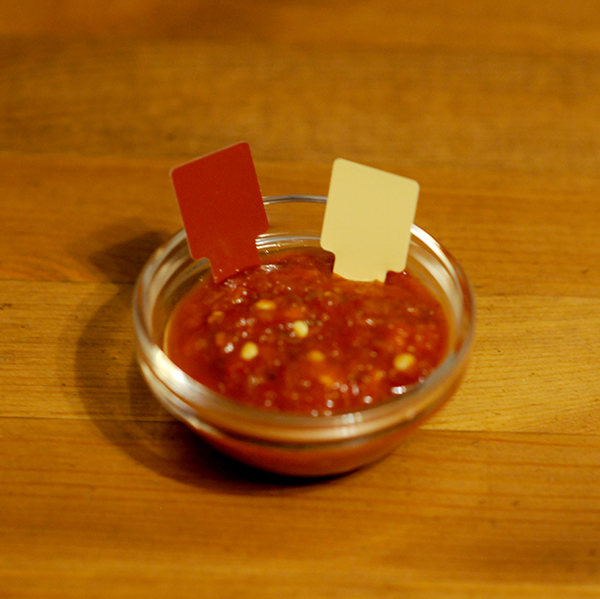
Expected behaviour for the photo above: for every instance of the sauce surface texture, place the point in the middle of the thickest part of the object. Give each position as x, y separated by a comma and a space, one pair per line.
291, 336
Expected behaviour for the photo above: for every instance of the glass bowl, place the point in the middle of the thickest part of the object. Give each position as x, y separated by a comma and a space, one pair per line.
293, 444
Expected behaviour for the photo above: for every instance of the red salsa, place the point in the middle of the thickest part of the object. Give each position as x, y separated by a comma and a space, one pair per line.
291, 336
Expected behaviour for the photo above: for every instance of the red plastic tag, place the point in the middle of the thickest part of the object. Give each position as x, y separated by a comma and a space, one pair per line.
222, 209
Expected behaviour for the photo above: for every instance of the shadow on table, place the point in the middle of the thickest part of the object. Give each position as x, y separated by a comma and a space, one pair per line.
118, 401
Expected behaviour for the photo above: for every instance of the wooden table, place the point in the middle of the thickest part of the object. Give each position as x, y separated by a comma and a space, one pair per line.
493, 107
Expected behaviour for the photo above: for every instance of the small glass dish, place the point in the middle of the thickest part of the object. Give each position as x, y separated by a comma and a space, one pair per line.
293, 444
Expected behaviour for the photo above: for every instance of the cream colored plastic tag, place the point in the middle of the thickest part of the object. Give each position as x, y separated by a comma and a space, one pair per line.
367, 220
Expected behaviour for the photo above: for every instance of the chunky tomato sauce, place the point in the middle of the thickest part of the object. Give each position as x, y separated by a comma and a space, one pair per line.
291, 336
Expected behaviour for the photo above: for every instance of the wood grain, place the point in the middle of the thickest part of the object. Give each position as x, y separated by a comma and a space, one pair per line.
186, 97
491, 107
381, 24
71, 347
120, 210
440, 520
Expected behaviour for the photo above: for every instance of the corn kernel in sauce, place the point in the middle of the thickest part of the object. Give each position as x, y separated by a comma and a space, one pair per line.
291, 336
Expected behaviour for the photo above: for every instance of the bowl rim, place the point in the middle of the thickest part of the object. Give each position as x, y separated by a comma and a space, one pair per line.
245, 420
